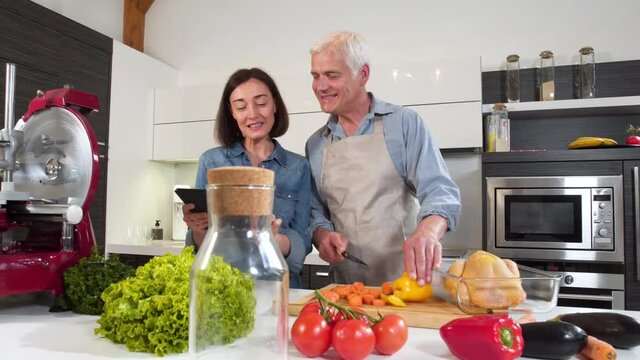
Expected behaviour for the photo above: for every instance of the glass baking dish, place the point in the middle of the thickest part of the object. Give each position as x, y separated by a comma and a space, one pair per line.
498, 295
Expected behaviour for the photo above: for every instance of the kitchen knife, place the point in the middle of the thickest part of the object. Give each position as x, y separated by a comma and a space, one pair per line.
355, 259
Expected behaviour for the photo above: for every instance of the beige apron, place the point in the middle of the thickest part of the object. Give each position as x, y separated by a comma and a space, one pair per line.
369, 204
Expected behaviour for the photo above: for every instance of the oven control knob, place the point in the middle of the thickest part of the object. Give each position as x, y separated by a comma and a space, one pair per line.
602, 205
603, 232
568, 279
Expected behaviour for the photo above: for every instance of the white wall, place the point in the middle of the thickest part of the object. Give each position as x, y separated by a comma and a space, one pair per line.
103, 16
203, 38
138, 190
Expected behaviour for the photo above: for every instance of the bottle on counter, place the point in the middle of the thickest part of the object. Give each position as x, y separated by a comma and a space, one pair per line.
239, 279
513, 78
587, 73
503, 127
546, 76
157, 232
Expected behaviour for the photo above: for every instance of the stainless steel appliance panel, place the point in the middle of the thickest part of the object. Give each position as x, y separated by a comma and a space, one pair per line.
592, 248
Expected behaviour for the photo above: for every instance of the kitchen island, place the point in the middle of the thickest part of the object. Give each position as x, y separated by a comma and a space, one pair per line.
29, 331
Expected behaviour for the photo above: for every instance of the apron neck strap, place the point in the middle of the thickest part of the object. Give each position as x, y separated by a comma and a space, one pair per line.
377, 128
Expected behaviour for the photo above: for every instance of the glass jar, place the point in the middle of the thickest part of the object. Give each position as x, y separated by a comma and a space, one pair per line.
587, 73
513, 78
491, 130
503, 127
239, 280
547, 81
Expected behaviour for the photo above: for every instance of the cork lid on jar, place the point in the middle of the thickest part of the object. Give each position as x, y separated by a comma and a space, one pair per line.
240, 190
240, 175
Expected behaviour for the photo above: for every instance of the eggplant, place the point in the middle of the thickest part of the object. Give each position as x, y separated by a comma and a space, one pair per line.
621, 331
552, 340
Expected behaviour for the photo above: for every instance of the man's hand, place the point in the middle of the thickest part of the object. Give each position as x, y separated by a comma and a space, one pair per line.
330, 245
422, 250
197, 222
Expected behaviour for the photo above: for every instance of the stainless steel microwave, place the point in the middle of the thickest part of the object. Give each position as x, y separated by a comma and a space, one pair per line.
556, 217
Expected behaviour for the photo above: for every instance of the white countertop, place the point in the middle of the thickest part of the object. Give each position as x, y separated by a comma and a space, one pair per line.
146, 247
29, 331
161, 247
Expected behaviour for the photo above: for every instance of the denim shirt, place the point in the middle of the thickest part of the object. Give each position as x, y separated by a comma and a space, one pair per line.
292, 195
413, 152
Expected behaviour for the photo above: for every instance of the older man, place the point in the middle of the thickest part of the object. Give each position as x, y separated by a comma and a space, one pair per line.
381, 189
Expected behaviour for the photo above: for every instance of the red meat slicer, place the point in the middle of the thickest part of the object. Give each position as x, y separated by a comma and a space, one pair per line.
50, 176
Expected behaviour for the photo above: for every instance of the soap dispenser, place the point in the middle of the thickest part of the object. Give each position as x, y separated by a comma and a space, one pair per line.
156, 232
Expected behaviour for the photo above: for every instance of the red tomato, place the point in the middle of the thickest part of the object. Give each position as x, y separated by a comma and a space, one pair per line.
334, 316
353, 339
633, 140
311, 308
391, 334
311, 335
359, 311
314, 308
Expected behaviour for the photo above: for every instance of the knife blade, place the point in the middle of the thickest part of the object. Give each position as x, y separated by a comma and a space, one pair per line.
353, 258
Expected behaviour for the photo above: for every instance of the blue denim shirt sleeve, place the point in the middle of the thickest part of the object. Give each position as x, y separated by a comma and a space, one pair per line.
413, 152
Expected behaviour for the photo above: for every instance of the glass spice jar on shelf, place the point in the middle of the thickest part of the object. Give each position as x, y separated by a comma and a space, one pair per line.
546, 76
513, 78
503, 127
239, 280
587, 73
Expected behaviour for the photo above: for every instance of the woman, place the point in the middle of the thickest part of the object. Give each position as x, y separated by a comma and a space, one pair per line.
251, 115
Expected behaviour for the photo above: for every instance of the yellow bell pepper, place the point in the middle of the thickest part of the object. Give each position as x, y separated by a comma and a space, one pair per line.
407, 289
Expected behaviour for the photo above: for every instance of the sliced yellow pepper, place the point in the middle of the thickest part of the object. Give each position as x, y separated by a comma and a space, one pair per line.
407, 289
393, 300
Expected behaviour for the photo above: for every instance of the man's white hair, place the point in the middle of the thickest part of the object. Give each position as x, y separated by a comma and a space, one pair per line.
351, 46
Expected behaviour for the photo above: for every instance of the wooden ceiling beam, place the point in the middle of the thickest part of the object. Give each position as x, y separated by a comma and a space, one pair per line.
133, 23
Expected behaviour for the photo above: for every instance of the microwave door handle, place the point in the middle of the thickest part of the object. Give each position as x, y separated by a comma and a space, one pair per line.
636, 206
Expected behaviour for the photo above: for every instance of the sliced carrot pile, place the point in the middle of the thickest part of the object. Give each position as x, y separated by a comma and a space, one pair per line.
357, 294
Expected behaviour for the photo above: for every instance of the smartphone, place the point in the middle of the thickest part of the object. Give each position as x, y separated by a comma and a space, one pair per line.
194, 196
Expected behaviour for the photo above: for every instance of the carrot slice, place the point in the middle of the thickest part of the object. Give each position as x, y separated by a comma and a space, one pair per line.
378, 302
330, 295
387, 288
354, 300
367, 299
358, 285
342, 291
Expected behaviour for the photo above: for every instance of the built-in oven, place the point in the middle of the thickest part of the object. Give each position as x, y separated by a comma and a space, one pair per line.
572, 225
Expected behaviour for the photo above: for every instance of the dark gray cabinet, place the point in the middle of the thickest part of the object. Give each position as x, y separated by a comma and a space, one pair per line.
51, 51
315, 276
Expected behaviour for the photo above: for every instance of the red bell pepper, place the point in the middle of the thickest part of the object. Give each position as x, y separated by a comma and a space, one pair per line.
495, 337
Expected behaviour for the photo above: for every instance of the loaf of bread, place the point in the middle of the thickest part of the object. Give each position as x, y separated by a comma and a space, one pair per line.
494, 287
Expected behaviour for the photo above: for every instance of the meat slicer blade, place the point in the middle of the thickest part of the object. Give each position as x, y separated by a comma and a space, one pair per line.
55, 162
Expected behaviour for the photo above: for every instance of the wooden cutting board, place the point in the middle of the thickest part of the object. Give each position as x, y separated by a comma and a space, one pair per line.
431, 313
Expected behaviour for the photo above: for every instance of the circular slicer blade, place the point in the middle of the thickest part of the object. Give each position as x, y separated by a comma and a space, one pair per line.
55, 161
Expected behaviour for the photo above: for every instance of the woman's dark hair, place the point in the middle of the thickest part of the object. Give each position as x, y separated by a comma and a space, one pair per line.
226, 127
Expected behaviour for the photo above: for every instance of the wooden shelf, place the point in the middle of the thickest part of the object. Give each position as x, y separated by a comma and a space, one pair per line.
573, 107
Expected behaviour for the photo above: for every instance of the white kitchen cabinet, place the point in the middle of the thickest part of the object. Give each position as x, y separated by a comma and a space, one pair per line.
182, 142
454, 125
428, 82
186, 103
301, 126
